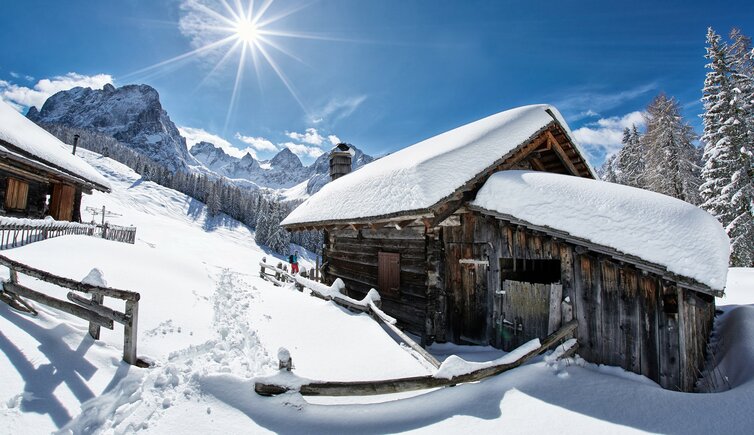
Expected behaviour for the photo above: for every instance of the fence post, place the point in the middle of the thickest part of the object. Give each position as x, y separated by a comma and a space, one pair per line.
129, 332
94, 329
104, 231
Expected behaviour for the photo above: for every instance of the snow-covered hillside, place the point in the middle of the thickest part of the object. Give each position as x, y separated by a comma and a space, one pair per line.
211, 325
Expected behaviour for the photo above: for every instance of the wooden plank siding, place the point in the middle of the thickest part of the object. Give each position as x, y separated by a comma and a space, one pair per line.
453, 288
353, 256
622, 311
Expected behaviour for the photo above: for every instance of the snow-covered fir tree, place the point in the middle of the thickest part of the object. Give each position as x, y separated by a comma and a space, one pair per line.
607, 172
672, 160
728, 189
630, 161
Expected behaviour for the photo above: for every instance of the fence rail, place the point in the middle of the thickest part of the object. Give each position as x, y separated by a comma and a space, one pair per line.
19, 232
92, 309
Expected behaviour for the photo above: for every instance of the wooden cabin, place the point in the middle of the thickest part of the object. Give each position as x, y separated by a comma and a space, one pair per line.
39, 175
497, 233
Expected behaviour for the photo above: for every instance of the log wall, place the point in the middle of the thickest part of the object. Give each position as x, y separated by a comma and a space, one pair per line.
352, 256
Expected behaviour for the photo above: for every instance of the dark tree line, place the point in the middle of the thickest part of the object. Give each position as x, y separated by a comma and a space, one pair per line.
257, 209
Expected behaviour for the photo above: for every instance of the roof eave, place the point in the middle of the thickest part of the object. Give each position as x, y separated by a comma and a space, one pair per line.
640, 263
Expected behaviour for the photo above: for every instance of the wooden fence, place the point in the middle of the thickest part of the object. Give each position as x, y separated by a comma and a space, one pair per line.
92, 309
370, 305
20, 232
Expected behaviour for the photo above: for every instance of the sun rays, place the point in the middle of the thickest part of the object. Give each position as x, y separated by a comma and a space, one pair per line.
222, 31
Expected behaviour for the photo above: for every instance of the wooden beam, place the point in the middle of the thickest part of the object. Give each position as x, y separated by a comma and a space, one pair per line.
382, 318
537, 164
390, 386
74, 309
93, 305
561, 154
67, 282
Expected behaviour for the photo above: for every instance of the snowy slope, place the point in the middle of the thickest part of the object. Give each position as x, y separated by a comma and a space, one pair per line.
211, 325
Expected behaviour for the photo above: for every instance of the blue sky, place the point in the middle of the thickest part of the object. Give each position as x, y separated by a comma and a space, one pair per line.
379, 74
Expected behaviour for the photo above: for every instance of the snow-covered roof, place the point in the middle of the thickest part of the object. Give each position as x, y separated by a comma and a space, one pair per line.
42, 146
659, 229
418, 177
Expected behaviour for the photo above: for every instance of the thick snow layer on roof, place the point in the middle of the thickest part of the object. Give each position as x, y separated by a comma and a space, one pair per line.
419, 176
27, 136
657, 228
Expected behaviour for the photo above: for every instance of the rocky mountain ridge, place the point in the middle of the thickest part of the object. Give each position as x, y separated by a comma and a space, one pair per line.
134, 116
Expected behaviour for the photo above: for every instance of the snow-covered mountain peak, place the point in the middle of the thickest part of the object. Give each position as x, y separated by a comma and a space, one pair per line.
131, 114
285, 159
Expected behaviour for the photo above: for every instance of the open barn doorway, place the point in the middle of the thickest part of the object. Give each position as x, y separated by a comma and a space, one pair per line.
527, 305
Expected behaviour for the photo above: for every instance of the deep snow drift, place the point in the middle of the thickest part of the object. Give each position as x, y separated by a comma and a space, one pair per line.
211, 325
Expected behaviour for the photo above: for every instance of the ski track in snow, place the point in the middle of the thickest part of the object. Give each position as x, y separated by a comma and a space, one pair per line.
140, 400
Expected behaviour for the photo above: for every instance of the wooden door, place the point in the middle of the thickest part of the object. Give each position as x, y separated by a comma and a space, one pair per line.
466, 277
389, 273
524, 311
61, 202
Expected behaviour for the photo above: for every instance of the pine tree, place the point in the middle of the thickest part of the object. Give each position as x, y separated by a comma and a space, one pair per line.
727, 190
607, 172
630, 163
671, 166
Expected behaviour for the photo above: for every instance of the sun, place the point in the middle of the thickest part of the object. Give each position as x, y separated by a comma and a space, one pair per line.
247, 31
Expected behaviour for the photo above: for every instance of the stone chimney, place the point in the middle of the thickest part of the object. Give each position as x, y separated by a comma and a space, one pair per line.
340, 160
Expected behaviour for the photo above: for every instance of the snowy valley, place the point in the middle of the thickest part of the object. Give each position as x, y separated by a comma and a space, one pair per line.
210, 326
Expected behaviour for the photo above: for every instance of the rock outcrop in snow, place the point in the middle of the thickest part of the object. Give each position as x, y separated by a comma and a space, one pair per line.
131, 114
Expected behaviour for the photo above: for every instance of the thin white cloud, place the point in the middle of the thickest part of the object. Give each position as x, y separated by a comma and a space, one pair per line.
604, 137
303, 150
336, 109
334, 140
195, 135
310, 136
258, 143
22, 96
586, 103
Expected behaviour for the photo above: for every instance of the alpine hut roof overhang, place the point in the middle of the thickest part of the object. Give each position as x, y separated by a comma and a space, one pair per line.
434, 178
26, 144
430, 176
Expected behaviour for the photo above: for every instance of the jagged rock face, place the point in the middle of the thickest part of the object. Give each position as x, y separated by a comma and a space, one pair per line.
283, 171
131, 114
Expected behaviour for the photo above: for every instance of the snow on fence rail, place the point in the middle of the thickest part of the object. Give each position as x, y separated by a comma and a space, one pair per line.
16, 232
92, 309
453, 374
370, 304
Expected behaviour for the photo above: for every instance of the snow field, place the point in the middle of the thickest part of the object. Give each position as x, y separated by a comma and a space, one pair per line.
211, 326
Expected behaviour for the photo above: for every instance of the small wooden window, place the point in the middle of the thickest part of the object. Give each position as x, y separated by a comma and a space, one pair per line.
61, 202
389, 272
16, 194
527, 270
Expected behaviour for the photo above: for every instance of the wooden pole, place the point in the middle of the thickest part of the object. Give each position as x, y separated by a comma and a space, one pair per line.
130, 333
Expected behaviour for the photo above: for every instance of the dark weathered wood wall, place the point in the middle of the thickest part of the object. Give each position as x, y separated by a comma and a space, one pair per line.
627, 318
35, 203
352, 256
